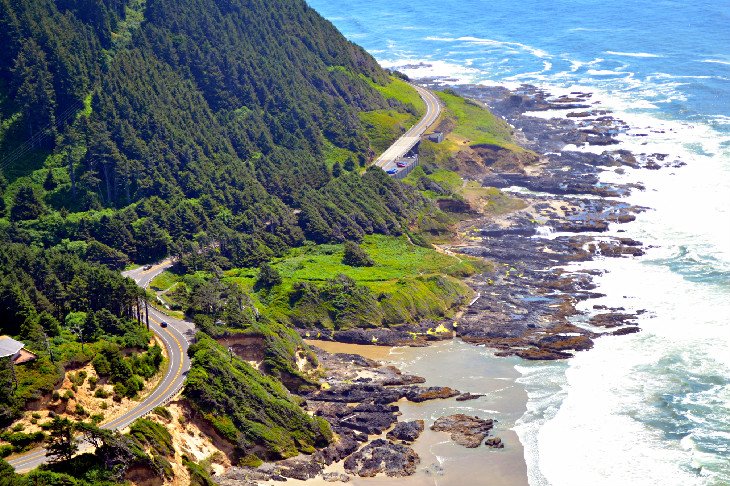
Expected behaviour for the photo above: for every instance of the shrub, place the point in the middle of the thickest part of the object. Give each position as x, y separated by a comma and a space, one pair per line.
268, 277
133, 385
163, 412
355, 256
120, 391
101, 365
22, 441
250, 460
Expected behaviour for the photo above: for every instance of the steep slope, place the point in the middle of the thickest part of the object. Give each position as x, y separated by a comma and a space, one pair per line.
222, 130
225, 110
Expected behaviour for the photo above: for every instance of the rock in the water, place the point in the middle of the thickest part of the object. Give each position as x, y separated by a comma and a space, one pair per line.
380, 456
494, 442
465, 430
406, 432
420, 394
468, 396
434, 469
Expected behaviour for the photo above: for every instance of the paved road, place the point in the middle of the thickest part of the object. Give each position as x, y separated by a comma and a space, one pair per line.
409, 139
175, 337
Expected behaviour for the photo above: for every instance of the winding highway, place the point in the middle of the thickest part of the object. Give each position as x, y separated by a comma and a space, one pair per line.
409, 139
177, 335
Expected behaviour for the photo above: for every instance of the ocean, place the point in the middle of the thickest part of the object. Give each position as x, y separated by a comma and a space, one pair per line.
648, 408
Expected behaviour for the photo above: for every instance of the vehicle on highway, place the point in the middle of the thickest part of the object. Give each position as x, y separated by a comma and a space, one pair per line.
391, 171
163, 324
401, 164
146, 267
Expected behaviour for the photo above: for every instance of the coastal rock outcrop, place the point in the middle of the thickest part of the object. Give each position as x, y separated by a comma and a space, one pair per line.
465, 430
421, 394
406, 432
383, 457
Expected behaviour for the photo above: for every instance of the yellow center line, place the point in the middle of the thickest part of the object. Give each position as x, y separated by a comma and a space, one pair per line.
179, 371
22, 460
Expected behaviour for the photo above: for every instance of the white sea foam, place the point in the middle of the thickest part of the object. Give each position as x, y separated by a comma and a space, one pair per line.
716, 61
684, 76
427, 68
491, 43
620, 378
606, 72
575, 65
632, 54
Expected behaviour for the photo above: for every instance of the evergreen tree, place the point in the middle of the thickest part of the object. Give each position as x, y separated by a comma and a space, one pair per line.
49, 183
349, 164
268, 276
61, 444
26, 205
33, 87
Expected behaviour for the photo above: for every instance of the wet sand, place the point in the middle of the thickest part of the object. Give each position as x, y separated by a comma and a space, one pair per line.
467, 368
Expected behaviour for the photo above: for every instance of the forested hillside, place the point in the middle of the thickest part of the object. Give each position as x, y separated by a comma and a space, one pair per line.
235, 135
134, 129
225, 111
226, 131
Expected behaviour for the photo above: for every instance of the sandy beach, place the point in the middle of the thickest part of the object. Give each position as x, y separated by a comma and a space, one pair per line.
469, 369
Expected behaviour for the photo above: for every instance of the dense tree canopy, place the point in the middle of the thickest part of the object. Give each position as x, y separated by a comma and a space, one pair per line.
224, 132
196, 120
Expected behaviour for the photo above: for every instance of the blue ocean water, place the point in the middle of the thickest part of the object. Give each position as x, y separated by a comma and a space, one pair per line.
654, 407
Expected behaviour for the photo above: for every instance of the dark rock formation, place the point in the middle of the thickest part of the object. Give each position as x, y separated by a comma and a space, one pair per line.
381, 456
468, 396
371, 419
334, 477
465, 430
406, 432
494, 442
301, 469
420, 394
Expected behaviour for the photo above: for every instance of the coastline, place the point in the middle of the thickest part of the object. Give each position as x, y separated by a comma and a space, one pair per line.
544, 302
531, 304
442, 461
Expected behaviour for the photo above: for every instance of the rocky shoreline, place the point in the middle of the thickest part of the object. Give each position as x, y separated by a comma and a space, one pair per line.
358, 398
525, 306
